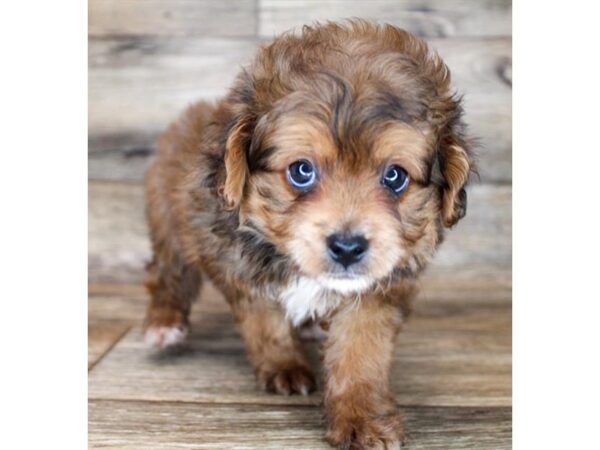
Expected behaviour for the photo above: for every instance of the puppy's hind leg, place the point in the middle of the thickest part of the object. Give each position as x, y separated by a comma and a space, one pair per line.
173, 285
273, 347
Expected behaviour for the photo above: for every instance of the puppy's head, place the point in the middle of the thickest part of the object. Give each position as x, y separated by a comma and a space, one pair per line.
347, 153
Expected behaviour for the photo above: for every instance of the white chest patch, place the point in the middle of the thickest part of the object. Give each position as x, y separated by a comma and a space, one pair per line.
308, 298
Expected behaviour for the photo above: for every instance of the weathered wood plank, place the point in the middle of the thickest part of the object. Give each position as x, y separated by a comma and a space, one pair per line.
127, 303
138, 85
123, 308
115, 309
109, 290
102, 335
172, 17
213, 369
479, 247
118, 244
451, 352
428, 18
109, 318
165, 425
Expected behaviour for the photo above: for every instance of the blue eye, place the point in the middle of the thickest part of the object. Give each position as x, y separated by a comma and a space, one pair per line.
395, 178
302, 174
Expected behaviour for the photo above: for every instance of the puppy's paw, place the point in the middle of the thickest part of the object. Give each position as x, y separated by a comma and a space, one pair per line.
286, 379
160, 336
373, 431
165, 326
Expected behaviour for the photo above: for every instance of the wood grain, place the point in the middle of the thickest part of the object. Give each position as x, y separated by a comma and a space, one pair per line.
175, 425
102, 336
215, 370
127, 303
137, 85
172, 17
451, 352
114, 309
428, 18
124, 308
118, 247
110, 318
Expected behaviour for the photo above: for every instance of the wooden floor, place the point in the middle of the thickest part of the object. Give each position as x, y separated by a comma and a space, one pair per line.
451, 377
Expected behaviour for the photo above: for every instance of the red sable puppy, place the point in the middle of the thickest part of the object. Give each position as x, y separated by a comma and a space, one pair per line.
317, 190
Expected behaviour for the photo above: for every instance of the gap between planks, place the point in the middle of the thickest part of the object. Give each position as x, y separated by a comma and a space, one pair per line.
95, 358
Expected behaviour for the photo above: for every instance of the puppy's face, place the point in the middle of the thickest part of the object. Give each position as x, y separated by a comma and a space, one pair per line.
346, 217
353, 182
350, 209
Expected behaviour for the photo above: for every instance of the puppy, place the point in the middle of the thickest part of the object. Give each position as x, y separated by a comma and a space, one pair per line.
317, 190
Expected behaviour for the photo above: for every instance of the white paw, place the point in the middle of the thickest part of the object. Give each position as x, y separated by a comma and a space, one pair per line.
162, 337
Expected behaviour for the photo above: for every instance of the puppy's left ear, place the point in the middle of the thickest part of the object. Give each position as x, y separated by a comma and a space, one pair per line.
236, 164
456, 163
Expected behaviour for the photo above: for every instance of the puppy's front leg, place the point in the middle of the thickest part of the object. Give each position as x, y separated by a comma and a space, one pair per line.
361, 412
173, 285
273, 347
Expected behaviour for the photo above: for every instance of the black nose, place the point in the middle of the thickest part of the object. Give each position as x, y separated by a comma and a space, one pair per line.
347, 250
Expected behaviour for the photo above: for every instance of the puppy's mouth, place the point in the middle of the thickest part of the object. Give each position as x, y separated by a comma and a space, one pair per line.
345, 283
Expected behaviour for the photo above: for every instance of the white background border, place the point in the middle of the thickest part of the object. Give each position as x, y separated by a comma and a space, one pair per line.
556, 217
43, 225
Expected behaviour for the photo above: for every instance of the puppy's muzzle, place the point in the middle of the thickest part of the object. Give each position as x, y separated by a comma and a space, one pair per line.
347, 250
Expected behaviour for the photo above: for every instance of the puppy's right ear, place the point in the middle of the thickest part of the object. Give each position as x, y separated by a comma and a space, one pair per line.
236, 163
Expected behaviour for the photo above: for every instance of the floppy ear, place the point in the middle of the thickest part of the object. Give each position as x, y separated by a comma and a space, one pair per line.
236, 164
455, 164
